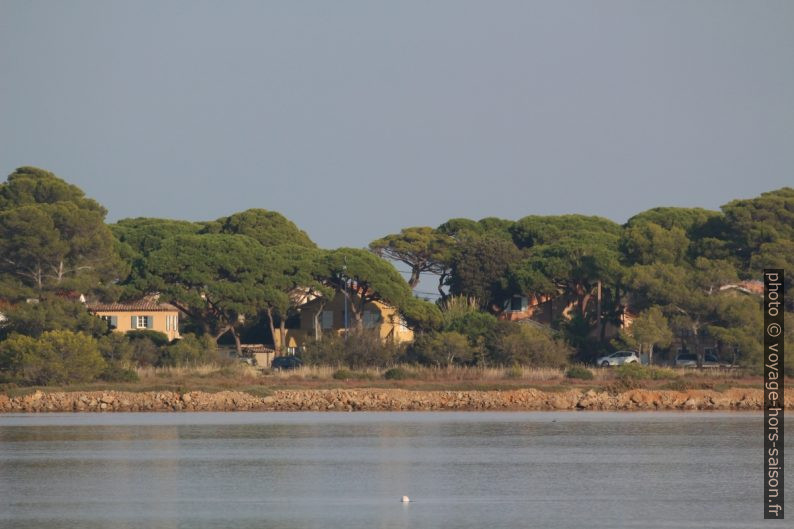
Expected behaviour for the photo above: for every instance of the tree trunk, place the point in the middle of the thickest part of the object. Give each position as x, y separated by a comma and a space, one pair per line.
441, 279
414, 279
237, 343
698, 351
355, 310
358, 321
276, 346
282, 331
583, 302
650, 355
318, 326
223, 331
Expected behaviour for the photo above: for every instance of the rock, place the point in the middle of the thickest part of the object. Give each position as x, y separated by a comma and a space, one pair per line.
690, 404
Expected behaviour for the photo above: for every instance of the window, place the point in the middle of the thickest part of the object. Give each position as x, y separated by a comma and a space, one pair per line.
518, 303
113, 322
328, 319
142, 322
371, 318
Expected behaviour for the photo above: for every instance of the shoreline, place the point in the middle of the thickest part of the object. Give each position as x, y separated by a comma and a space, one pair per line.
374, 399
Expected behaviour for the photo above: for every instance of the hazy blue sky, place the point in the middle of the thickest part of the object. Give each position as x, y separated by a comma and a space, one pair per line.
355, 119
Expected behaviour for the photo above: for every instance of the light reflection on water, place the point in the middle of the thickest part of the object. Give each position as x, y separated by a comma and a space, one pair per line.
349, 470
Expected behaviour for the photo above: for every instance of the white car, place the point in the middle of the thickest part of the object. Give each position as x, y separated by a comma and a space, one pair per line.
618, 359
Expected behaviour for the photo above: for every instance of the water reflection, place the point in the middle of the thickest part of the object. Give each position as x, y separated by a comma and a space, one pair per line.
350, 470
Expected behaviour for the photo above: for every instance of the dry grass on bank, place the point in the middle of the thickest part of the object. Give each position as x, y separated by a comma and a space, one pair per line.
242, 377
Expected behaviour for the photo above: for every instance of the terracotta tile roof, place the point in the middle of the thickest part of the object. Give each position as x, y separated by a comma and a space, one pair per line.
143, 305
752, 286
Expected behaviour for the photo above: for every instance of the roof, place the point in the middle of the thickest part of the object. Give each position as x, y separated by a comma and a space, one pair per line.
752, 286
142, 305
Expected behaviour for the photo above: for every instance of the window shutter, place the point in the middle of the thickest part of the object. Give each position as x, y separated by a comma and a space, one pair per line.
150, 322
328, 319
134, 322
114, 322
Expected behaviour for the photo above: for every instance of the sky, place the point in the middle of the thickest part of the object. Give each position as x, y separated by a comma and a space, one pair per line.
357, 119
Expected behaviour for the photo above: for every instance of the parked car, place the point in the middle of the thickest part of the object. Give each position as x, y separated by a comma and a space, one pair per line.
691, 360
686, 360
286, 362
618, 359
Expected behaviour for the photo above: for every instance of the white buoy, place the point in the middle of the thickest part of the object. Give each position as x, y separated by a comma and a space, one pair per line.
406, 499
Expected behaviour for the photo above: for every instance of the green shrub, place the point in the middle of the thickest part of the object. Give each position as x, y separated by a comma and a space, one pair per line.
397, 373
115, 373
115, 347
636, 371
662, 373
57, 357
579, 372
632, 371
514, 372
526, 345
156, 337
144, 352
442, 349
189, 350
360, 349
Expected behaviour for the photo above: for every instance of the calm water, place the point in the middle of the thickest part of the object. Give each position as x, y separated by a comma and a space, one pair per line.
349, 470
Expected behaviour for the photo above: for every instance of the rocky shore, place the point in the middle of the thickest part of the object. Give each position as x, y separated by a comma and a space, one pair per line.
386, 400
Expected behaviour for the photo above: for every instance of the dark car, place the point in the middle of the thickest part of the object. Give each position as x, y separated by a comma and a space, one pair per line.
286, 362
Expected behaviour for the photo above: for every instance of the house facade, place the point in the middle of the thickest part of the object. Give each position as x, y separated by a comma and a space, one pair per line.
317, 318
139, 315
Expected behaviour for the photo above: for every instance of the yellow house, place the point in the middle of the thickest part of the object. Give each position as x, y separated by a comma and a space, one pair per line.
315, 319
139, 315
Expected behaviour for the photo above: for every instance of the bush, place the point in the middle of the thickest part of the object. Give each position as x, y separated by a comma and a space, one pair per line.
115, 348
632, 371
475, 325
514, 372
116, 373
521, 344
579, 372
158, 338
636, 371
359, 349
144, 352
190, 350
442, 349
342, 374
57, 357
397, 373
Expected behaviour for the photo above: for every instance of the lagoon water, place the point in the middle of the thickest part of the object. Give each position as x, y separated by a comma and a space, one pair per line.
350, 470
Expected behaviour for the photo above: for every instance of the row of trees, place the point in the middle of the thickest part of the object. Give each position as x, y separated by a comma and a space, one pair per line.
667, 267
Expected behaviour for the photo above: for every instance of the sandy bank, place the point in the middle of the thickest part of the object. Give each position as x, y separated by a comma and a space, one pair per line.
387, 400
